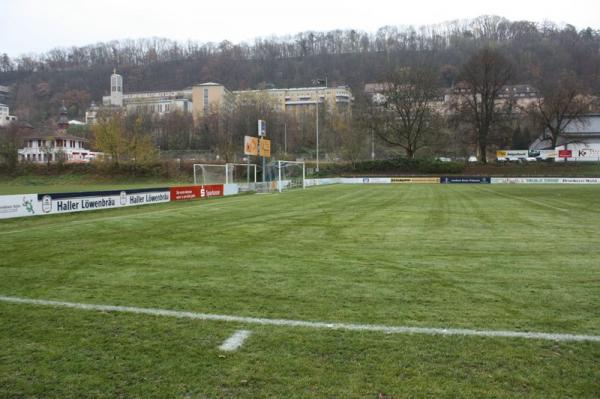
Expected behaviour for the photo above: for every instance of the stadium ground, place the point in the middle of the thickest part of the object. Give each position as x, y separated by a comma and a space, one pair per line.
512, 258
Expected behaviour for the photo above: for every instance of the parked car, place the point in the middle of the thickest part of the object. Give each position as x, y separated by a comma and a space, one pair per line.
472, 158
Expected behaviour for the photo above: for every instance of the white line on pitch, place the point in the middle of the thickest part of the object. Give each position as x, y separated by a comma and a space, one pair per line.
515, 197
235, 341
308, 324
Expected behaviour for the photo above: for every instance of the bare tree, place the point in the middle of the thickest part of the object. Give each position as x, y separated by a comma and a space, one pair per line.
10, 142
561, 102
407, 118
484, 75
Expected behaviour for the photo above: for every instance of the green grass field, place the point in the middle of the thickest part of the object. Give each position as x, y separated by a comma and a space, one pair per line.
517, 258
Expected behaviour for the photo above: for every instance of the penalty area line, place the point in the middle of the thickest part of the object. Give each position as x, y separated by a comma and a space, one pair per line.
308, 324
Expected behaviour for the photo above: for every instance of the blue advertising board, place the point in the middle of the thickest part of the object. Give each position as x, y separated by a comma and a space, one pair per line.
465, 180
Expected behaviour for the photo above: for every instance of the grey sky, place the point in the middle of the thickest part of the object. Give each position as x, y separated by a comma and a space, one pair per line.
40, 25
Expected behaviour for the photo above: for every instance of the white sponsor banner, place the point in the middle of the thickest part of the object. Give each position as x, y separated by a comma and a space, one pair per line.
321, 182
14, 206
231, 189
580, 180
78, 202
366, 180
545, 180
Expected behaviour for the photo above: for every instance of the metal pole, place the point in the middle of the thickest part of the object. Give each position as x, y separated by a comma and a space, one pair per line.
279, 170
372, 145
317, 106
285, 138
303, 176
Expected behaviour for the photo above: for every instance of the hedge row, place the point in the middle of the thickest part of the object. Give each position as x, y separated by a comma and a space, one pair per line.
396, 166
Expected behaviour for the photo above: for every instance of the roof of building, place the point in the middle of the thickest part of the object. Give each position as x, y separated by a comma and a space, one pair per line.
39, 136
588, 125
208, 84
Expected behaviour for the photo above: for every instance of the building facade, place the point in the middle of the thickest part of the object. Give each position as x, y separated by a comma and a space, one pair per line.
54, 145
206, 98
5, 117
520, 96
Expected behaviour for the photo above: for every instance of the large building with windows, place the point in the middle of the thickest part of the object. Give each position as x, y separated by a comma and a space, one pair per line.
205, 98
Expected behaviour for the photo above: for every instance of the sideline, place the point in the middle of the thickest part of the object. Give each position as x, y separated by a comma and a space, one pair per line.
308, 324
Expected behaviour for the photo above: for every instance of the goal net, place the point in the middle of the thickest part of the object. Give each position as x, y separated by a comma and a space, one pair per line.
210, 173
290, 175
241, 173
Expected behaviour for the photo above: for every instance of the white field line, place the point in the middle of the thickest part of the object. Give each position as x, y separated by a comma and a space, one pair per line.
308, 324
235, 341
121, 217
525, 200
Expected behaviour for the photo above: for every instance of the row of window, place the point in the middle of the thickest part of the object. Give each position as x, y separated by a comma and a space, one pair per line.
59, 143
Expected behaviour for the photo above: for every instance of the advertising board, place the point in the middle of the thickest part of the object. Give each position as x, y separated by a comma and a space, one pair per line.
416, 180
93, 200
565, 153
512, 154
587, 153
264, 147
250, 145
465, 180
545, 180
183, 193
580, 180
543, 154
212, 190
525, 180
14, 206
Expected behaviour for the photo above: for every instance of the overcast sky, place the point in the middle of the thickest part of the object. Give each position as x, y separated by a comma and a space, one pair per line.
40, 25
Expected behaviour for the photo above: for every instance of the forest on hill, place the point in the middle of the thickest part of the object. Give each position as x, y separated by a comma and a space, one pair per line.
78, 75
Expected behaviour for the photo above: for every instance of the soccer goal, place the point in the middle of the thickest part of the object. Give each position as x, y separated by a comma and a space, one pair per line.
205, 173
241, 173
290, 174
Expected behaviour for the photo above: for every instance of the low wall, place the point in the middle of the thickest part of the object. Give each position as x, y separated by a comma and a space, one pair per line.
452, 180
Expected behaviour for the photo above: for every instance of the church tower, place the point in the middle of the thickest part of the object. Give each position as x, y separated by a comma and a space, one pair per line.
63, 119
116, 89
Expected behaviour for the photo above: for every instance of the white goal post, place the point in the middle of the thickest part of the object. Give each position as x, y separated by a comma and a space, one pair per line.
291, 174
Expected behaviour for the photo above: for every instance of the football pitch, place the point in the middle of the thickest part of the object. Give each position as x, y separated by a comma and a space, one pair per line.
336, 291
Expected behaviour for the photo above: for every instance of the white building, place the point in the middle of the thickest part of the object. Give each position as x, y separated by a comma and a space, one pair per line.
160, 102
581, 137
42, 148
5, 117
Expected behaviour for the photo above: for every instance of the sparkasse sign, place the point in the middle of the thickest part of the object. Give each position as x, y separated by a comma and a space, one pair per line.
212, 190
565, 153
